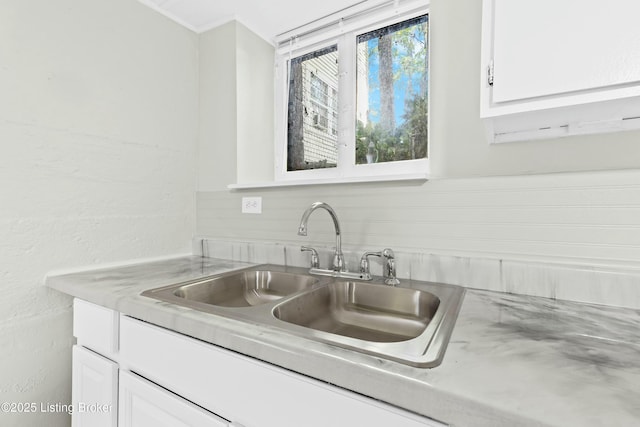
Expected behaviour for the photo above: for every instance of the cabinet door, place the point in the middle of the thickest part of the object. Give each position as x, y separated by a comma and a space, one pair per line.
95, 389
550, 47
144, 404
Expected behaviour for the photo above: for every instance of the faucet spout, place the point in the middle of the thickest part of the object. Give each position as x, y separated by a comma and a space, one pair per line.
338, 257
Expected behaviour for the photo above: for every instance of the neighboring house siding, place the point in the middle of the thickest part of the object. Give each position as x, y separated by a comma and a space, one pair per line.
320, 126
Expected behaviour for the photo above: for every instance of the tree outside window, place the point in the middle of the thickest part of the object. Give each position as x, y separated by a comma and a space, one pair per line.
392, 85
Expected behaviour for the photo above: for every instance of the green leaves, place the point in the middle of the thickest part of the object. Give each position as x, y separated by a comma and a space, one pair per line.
408, 141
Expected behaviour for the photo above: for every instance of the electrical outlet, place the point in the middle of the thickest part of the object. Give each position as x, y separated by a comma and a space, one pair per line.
252, 205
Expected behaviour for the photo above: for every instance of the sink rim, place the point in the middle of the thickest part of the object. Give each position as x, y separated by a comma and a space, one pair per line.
424, 351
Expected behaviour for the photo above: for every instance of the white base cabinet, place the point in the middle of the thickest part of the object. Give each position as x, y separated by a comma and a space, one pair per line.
245, 390
104, 395
94, 389
169, 379
144, 404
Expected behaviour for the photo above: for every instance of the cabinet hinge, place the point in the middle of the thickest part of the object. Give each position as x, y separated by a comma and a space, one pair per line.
490, 73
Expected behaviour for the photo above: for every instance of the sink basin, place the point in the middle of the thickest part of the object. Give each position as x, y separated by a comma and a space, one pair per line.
244, 289
363, 311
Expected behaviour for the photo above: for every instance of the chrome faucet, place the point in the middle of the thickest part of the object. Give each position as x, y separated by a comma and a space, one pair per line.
388, 266
339, 268
338, 257
315, 259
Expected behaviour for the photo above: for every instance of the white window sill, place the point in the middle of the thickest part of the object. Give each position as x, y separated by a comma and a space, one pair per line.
331, 181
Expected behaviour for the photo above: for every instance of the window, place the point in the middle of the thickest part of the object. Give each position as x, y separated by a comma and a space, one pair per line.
354, 96
391, 86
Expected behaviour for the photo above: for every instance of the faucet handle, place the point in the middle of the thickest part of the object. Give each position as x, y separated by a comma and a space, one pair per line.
315, 260
364, 262
389, 267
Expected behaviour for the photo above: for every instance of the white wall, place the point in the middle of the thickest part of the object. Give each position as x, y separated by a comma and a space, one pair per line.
572, 200
236, 107
581, 218
255, 94
98, 131
217, 128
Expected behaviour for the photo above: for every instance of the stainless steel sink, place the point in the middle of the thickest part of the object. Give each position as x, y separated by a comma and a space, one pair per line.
377, 313
245, 288
410, 324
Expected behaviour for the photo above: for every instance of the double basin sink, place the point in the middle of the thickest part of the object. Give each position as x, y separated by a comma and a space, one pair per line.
410, 324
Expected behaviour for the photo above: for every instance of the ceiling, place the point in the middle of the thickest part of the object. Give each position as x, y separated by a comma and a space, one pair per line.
265, 18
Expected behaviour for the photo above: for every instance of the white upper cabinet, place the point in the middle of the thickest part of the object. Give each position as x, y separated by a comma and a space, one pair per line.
555, 68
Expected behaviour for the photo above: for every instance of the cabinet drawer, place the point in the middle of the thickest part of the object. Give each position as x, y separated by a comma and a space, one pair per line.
144, 404
245, 390
96, 327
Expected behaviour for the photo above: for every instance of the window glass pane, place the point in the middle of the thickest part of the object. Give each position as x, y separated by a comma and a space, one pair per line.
312, 124
391, 102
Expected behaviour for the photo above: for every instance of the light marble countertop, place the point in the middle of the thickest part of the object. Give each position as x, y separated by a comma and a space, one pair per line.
512, 360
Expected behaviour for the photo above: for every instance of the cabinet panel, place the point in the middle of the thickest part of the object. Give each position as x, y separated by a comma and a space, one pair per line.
144, 404
96, 327
556, 68
549, 47
94, 389
245, 390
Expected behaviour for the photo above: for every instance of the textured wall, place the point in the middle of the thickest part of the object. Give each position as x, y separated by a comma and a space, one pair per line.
98, 130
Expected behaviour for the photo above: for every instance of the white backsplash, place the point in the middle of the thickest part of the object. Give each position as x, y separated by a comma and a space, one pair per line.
565, 281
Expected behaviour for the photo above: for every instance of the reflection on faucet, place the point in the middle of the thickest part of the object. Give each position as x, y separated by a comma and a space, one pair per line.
338, 257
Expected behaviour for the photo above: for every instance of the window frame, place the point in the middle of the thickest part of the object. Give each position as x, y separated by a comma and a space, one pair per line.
343, 34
